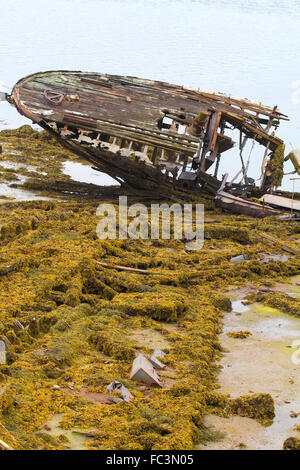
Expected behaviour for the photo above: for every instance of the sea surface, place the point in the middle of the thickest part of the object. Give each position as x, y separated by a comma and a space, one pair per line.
244, 48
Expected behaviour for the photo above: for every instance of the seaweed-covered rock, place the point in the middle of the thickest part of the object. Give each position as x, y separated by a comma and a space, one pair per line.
239, 334
222, 302
220, 232
259, 406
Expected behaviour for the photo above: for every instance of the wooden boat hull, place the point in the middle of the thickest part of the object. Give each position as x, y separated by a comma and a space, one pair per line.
141, 132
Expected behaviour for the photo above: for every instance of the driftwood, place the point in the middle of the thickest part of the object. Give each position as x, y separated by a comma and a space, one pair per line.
3, 390
4, 446
126, 268
279, 242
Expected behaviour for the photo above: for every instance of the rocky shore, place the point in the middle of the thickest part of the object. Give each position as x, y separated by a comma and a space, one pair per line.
71, 325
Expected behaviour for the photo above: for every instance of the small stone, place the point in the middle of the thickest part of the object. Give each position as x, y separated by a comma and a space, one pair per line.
47, 427
55, 387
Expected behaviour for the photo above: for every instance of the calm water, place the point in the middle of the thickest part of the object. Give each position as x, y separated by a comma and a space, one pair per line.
248, 49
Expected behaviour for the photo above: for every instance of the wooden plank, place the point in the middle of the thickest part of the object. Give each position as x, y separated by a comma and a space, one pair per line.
216, 124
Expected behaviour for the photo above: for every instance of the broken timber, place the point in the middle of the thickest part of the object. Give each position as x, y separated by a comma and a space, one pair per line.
147, 134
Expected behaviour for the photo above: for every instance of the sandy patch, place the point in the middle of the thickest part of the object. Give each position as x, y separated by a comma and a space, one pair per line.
262, 363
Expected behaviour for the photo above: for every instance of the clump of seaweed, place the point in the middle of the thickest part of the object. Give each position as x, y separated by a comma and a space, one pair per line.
292, 443
160, 306
222, 302
277, 163
239, 334
279, 301
112, 347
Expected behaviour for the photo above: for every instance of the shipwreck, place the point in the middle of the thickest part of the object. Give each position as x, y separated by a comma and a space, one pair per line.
156, 136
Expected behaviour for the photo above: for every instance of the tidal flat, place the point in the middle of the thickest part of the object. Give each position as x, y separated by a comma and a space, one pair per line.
72, 326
